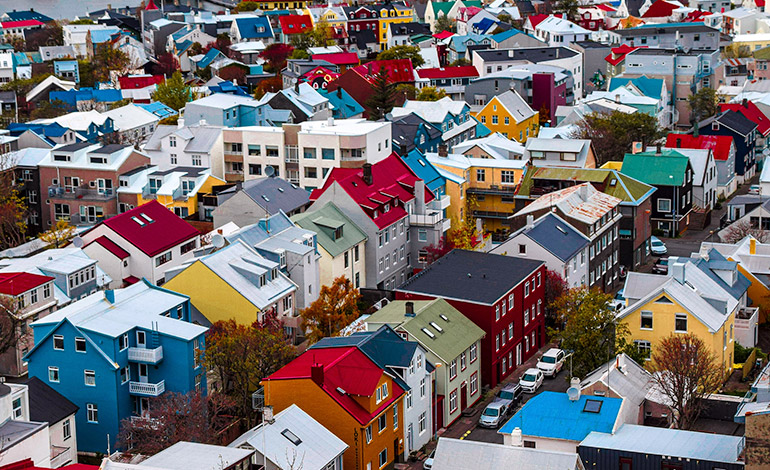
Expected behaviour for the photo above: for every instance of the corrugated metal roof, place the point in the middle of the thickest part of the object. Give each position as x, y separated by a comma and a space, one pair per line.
581, 202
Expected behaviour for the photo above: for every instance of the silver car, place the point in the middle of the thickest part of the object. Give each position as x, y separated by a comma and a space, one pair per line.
493, 414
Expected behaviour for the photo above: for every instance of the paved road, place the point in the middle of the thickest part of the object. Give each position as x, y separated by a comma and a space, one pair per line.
560, 383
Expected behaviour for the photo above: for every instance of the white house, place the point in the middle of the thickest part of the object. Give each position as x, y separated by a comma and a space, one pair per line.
557, 31
197, 145
75, 35
134, 123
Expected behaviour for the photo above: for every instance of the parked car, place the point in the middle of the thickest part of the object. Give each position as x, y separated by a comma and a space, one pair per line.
494, 414
551, 362
531, 380
618, 302
658, 247
428, 464
755, 189
661, 267
511, 393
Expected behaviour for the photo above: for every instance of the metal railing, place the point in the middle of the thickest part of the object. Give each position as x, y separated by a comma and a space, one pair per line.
69, 192
146, 389
429, 219
150, 356
60, 456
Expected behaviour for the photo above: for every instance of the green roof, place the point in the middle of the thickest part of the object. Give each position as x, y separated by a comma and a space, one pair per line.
457, 331
626, 188
473, 3
666, 169
442, 7
763, 53
324, 221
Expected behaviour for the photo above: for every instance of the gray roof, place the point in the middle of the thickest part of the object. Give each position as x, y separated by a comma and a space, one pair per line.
532, 54
624, 376
13, 432
199, 138
456, 454
516, 106
46, 404
186, 455
669, 443
556, 235
272, 194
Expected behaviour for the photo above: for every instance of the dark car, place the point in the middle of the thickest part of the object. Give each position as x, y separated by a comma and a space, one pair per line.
661, 267
511, 392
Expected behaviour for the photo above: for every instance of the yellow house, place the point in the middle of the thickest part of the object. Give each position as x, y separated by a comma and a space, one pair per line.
754, 41
510, 115
333, 16
696, 297
392, 13
271, 5
178, 189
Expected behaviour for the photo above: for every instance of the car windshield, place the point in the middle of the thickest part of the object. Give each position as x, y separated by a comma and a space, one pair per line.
548, 360
657, 243
619, 296
505, 395
491, 412
528, 377
663, 262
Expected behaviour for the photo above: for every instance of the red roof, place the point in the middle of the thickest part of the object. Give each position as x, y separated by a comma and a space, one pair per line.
449, 72
28, 464
338, 58
130, 280
751, 112
443, 35
605, 7
719, 144
696, 16
392, 180
295, 24
20, 24
139, 81
535, 20
347, 369
618, 54
759, 3
152, 228
112, 247
19, 283
151, 6
660, 9
399, 70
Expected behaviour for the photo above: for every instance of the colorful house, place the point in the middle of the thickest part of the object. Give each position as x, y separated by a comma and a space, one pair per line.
351, 396
391, 13
509, 114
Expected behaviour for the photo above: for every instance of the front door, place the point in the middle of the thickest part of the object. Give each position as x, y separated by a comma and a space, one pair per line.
143, 373
141, 339
518, 354
410, 437
396, 455
463, 396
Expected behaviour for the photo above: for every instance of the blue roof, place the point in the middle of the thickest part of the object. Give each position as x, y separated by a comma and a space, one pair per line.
248, 27
556, 236
27, 15
500, 37
183, 46
209, 58
425, 170
99, 36
343, 105
459, 43
651, 87
72, 97
49, 130
553, 415
66, 64
228, 87
157, 108
484, 24
20, 58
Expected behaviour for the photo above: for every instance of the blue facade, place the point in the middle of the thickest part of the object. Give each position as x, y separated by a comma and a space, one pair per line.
138, 342
745, 157
67, 69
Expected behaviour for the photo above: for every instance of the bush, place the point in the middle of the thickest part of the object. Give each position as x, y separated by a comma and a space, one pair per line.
741, 353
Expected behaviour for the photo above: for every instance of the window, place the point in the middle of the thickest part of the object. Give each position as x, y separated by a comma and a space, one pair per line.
187, 247
453, 369
409, 400
53, 374
395, 417
494, 119
369, 434
510, 330
538, 279
507, 176
474, 387
172, 141
422, 387
383, 457
80, 344
526, 289
497, 342
473, 353
463, 361
497, 312
197, 160
422, 423
66, 429
382, 423
422, 235
58, 342
453, 401
644, 348
92, 412
90, 378
163, 259
646, 320
17, 411
680, 325
664, 205
480, 175
125, 375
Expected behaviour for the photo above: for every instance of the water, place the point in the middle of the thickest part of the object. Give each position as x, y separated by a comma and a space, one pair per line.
64, 9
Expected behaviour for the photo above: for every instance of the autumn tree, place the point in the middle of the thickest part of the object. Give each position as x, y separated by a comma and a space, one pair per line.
245, 6
409, 92
235, 73
51, 35
268, 85
403, 52
319, 36
445, 23
613, 133
555, 288
740, 229
704, 103
463, 233
544, 115
107, 59
10, 323
430, 93
568, 8
383, 96
175, 417
335, 308
736, 51
173, 92
13, 206
240, 356
167, 64
275, 55
59, 235
685, 370
590, 329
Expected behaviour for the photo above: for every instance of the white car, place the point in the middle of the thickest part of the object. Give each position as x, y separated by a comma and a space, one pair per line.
531, 380
755, 189
658, 247
551, 362
428, 464
494, 413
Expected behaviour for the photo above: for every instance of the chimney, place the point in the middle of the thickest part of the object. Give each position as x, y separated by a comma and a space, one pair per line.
330, 121
296, 87
753, 246
678, 272
368, 173
658, 150
109, 294
583, 191
409, 309
339, 92
419, 196
678, 142
617, 98
479, 230
443, 151
530, 221
516, 438
317, 374
573, 392
744, 102
704, 252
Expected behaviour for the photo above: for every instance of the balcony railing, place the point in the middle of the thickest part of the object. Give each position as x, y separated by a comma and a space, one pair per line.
505, 190
429, 219
77, 219
492, 214
60, 456
145, 389
81, 192
149, 356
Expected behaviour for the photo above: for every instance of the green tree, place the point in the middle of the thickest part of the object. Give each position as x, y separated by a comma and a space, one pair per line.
613, 133
430, 93
319, 36
59, 235
406, 90
83, 21
736, 51
299, 54
444, 23
403, 52
246, 6
107, 59
460, 62
173, 92
505, 18
13, 210
86, 71
383, 96
49, 109
704, 103
335, 308
590, 329
22, 86
568, 8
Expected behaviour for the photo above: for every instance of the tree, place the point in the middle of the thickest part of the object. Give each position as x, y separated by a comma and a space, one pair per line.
49, 109
276, 54
463, 234
299, 54
240, 356
86, 72
444, 23
173, 92
430, 93
268, 85
59, 235
319, 36
544, 115
505, 18
613, 133
82, 21
222, 44
406, 90
740, 229
383, 96
568, 8
107, 59
590, 329
685, 370
403, 52
704, 103
435, 251
167, 64
175, 417
555, 288
246, 5
460, 62
13, 207
335, 308
51, 35
10, 323
736, 51
195, 49
235, 73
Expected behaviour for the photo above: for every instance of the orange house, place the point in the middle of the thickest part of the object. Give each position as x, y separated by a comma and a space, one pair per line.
345, 391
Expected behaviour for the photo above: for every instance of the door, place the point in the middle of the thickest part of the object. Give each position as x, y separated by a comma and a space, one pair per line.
141, 339
396, 454
410, 437
144, 406
143, 373
625, 463
518, 354
463, 396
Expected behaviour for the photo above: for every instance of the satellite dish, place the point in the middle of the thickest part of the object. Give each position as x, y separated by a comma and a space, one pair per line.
573, 393
269, 171
389, 117
78, 242
218, 240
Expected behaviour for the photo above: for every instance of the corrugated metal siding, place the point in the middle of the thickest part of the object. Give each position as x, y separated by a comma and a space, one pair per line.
609, 459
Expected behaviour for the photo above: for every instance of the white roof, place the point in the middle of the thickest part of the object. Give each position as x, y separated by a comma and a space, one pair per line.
30, 156
456, 454
495, 144
77, 121
80, 158
225, 101
431, 111
50, 80
555, 24
761, 37
350, 127
324, 50
188, 455
461, 161
516, 106
249, 46
130, 116
622, 95
294, 433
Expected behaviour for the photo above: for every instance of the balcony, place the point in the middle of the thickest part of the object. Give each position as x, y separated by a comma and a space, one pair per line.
145, 389
507, 190
442, 203
291, 154
430, 219
77, 219
145, 355
60, 456
446, 225
82, 192
492, 214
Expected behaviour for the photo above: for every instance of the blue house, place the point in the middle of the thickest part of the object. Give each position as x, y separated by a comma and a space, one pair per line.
744, 134
208, 58
229, 88
73, 97
425, 170
67, 70
412, 132
222, 109
112, 352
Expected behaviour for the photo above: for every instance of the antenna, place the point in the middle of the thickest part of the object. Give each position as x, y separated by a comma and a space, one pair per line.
78, 242
218, 240
269, 171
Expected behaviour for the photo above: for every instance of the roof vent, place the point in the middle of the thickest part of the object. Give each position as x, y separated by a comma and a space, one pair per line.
342, 391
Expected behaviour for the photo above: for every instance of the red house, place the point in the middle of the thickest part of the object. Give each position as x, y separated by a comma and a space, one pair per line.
139, 81
751, 112
358, 81
503, 295
295, 24
361, 18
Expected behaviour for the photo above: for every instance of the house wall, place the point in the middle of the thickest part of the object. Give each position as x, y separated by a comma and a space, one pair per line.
35, 447
573, 271
56, 434
609, 459
333, 267
518, 130
544, 443
109, 263
240, 209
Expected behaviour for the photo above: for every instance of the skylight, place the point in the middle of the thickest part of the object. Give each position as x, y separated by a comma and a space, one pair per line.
438, 328
428, 332
444, 317
146, 217
280, 190
265, 198
292, 437
135, 219
592, 406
